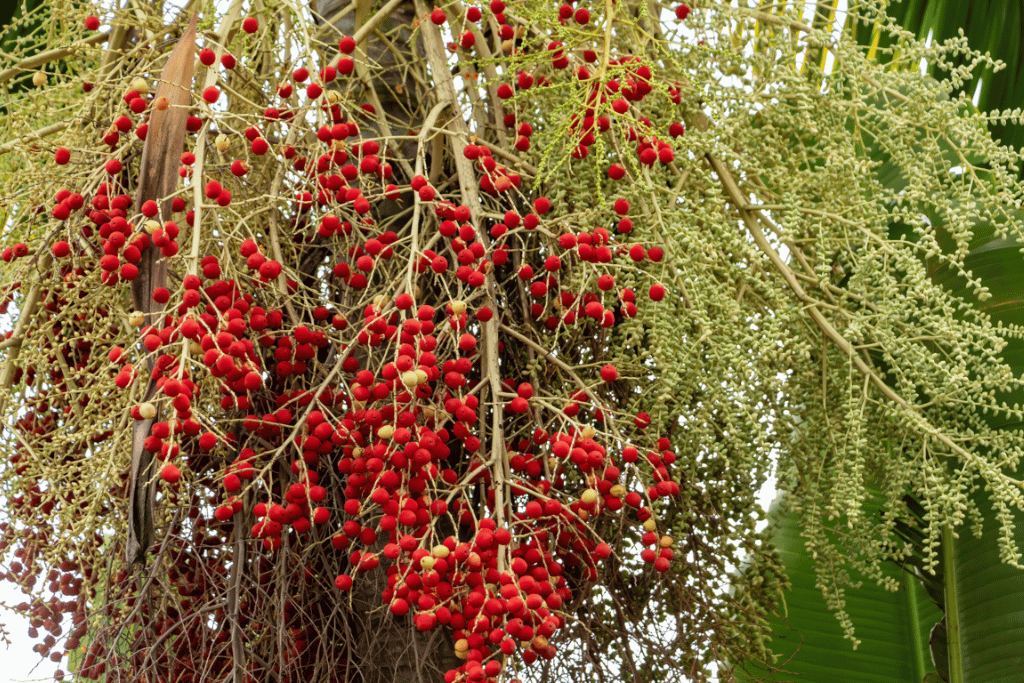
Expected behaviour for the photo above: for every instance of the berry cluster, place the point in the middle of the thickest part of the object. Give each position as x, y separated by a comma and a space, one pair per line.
349, 392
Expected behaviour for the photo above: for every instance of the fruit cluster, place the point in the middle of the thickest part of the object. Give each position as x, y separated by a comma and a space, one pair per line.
342, 391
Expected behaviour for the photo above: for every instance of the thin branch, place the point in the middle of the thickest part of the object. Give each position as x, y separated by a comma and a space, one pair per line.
19, 142
48, 56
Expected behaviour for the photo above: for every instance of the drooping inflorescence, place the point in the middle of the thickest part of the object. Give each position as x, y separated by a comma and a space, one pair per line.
469, 337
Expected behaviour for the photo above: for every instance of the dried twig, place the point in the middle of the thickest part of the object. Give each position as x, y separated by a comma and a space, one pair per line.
158, 176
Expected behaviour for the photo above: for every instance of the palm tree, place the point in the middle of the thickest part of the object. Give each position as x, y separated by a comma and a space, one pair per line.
506, 310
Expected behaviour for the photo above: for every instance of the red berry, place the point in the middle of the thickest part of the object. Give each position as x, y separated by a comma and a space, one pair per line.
170, 473
347, 45
92, 23
61, 249
473, 14
542, 205
582, 15
438, 16
252, 381
211, 94
425, 621
682, 12
250, 25
616, 172
207, 56
227, 61
657, 292
62, 156
609, 373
